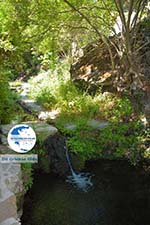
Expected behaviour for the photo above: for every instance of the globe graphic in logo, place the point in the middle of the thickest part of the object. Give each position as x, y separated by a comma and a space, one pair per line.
21, 138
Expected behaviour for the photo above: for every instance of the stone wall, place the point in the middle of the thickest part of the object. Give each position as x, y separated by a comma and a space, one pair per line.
11, 184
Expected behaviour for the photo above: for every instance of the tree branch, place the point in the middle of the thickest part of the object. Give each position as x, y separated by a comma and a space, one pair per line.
99, 33
130, 14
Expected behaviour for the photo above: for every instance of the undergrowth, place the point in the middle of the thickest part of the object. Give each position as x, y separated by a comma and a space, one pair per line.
55, 90
120, 139
7, 99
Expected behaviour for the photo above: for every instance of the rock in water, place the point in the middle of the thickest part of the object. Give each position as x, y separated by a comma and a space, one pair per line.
55, 148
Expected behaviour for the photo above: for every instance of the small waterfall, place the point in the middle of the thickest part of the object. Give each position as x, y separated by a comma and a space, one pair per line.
81, 180
68, 160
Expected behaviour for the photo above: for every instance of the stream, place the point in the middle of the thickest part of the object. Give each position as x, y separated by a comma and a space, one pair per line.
120, 195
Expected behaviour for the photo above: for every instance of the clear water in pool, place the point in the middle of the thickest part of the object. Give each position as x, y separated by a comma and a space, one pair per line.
120, 195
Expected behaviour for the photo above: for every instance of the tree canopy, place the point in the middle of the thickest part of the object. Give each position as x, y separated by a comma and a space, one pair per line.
51, 25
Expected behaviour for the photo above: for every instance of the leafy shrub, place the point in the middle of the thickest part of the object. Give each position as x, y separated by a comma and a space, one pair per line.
67, 91
6, 100
44, 86
119, 140
144, 142
122, 110
71, 99
46, 98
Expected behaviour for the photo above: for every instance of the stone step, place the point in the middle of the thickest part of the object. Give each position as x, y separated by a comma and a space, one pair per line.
95, 124
32, 105
41, 128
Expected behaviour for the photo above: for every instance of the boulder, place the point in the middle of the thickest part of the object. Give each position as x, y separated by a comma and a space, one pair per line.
56, 149
93, 70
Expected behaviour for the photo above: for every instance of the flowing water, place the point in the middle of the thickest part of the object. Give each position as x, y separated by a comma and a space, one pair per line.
120, 195
82, 180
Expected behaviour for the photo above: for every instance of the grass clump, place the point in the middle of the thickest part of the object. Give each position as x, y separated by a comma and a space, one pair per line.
54, 90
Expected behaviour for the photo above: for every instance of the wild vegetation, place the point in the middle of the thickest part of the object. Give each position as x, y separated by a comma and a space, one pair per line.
121, 139
39, 40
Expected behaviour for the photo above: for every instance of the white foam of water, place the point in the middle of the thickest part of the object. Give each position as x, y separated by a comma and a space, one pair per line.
82, 181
